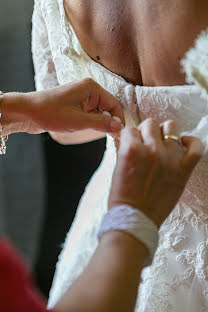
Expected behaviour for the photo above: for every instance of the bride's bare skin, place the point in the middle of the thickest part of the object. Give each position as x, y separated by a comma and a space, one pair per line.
142, 41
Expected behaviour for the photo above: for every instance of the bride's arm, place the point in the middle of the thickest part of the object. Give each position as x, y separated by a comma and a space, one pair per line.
45, 72
45, 75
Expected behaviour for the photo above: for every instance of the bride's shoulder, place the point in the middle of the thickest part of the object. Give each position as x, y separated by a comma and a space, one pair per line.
47, 9
46, 3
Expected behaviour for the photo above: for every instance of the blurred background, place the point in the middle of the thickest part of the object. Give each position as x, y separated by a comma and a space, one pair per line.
41, 182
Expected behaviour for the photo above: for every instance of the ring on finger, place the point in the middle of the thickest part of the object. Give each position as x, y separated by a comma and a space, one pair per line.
172, 137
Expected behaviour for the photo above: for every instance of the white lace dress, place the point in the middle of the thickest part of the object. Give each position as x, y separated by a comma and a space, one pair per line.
178, 278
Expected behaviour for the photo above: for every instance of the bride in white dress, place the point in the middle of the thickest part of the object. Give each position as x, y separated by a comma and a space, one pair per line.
177, 280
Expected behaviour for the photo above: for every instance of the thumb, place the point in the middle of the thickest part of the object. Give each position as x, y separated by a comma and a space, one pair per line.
193, 153
99, 122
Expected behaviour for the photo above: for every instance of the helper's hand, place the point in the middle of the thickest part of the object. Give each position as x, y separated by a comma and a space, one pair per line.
151, 173
68, 108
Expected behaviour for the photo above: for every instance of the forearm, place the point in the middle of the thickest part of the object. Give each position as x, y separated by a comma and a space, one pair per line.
77, 137
110, 282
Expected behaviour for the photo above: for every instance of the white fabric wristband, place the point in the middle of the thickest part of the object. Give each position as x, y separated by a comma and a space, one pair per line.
133, 221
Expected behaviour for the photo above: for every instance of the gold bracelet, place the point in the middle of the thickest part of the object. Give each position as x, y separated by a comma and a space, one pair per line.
3, 139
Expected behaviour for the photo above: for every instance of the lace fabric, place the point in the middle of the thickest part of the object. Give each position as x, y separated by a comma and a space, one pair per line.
134, 222
195, 62
177, 280
45, 73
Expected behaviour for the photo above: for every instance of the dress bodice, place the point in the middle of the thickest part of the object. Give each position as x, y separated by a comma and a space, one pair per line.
178, 277
181, 103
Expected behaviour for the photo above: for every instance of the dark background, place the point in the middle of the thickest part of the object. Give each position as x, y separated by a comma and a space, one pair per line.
36, 169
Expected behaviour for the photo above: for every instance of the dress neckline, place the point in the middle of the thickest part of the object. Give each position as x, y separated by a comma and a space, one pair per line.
67, 25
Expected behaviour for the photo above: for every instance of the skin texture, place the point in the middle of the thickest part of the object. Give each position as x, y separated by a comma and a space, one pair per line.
166, 165
65, 109
143, 41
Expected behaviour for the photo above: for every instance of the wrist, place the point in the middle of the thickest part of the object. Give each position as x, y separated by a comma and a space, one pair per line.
12, 109
125, 242
15, 112
134, 222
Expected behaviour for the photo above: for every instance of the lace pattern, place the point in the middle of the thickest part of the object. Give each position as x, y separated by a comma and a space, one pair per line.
134, 222
196, 62
177, 280
45, 72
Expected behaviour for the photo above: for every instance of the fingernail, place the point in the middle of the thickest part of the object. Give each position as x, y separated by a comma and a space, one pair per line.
117, 119
107, 113
115, 126
116, 136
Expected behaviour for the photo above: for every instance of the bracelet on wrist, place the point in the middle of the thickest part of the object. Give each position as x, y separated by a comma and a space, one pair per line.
3, 139
133, 221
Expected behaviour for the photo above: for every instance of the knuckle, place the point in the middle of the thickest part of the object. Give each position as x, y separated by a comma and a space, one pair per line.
149, 122
129, 134
130, 146
89, 81
149, 126
131, 149
133, 132
129, 152
171, 123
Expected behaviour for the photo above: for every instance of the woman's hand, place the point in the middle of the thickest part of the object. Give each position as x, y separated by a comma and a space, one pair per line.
151, 173
68, 108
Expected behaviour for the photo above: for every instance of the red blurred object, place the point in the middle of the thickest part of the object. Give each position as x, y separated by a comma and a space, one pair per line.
17, 290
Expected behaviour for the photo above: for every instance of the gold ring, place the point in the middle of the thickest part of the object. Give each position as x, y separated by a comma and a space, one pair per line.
172, 137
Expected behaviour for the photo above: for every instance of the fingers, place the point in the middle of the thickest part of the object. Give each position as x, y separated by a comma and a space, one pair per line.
129, 173
98, 122
101, 100
109, 103
130, 140
173, 147
151, 134
193, 153
170, 127
174, 151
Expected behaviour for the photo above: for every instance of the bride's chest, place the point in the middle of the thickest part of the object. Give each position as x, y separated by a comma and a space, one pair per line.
142, 41
106, 31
